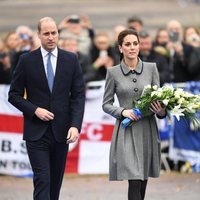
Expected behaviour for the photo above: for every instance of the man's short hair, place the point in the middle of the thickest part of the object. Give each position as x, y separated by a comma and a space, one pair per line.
44, 19
143, 34
135, 19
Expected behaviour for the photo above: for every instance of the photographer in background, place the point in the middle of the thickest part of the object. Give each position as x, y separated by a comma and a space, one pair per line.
25, 35
4, 64
79, 27
179, 53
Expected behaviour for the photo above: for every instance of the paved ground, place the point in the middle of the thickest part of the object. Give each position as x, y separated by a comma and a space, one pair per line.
167, 187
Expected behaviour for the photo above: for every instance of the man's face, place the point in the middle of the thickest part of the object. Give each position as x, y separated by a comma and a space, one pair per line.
135, 25
145, 45
102, 42
48, 35
70, 45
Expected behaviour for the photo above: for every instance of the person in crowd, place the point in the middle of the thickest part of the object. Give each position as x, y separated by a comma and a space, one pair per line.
53, 108
25, 35
179, 53
116, 30
12, 43
87, 24
194, 64
160, 42
79, 27
147, 53
71, 44
135, 23
36, 43
135, 150
4, 64
179, 60
102, 55
191, 36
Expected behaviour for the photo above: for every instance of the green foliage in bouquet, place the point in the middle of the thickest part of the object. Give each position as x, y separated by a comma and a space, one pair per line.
178, 102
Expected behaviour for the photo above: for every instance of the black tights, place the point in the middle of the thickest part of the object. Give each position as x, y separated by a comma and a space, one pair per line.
136, 189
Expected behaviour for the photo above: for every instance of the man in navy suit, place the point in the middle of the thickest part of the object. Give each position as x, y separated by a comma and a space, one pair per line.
53, 108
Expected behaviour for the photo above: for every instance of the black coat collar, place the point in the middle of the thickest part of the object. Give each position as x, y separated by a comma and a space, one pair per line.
126, 71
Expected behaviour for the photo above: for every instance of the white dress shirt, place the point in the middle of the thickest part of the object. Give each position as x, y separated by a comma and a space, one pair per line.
54, 55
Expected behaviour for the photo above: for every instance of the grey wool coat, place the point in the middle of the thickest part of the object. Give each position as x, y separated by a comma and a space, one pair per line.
135, 150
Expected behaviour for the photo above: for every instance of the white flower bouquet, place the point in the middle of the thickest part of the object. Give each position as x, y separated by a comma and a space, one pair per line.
178, 103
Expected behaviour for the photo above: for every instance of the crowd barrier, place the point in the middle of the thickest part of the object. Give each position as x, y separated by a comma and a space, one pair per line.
184, 137
90, 154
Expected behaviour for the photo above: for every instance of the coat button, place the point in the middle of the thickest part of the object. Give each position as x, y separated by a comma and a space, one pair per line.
134, 80
132, 71
135, 89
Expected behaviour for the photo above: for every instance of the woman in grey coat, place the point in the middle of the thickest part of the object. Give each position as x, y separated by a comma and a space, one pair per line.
135, 150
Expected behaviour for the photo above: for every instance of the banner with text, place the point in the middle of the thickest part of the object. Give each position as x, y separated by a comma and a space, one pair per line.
90, 155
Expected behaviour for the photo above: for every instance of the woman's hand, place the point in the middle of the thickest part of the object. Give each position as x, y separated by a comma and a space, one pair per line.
130, 114
157, 108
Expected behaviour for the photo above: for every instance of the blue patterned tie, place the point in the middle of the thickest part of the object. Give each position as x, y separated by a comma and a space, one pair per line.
50, 74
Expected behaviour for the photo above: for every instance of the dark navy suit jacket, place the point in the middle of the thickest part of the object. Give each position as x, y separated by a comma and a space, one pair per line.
66, 101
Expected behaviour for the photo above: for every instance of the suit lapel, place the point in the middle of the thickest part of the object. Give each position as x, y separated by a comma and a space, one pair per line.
59, 69
40, 69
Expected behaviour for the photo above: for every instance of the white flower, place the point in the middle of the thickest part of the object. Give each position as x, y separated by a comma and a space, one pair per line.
165, 102
181, 100
147, 87
179, 92
177, 101
154, 93
187, 95
196, 106
155, 87
177, 112
191, 108
159, 94
168, 87
176, 96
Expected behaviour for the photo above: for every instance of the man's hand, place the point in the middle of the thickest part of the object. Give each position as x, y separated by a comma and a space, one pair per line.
72, 135
44, 114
